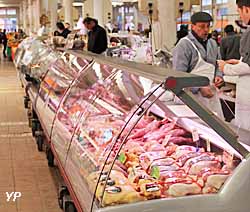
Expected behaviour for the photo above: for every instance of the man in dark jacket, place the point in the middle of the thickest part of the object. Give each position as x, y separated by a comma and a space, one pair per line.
230, 45
4, 42
62, 30
97, 36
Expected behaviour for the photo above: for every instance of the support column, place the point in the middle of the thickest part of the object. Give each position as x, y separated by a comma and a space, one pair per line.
136, 18
68, 11
214, 12
25, 24
36, 14
98, 11
107, 11
20, 21
53, 14
44, 7
164, 30
38, 9
88, 7
232, 10
30, 17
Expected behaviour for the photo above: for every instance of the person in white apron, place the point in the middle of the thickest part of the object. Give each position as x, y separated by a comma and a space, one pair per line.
197, 55
241, 68
205, 69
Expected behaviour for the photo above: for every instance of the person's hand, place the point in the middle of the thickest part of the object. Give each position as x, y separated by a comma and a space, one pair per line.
232, 61
221, 64
218, 81
206, 92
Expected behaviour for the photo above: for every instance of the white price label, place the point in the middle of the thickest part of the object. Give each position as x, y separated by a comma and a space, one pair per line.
195, 135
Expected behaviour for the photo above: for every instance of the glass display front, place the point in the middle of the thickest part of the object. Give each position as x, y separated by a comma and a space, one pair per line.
99, 126
124, 153
157, 158
78, 100
115, 136
56, 83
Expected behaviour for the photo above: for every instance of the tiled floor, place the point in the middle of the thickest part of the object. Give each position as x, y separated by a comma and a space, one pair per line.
22, 168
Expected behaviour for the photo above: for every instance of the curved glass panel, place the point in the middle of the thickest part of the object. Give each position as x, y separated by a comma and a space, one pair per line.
78, 99
55, 84
165, 157
98, 128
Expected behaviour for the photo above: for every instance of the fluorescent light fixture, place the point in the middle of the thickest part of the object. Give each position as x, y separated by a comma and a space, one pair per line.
77, 4
117, 4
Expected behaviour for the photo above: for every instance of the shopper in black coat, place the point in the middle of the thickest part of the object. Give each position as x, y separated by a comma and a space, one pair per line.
62, 30
97, 36
4, 40
230, 45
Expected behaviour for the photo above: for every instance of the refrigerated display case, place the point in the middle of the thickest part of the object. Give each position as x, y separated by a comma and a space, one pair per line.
119, 149
32, 59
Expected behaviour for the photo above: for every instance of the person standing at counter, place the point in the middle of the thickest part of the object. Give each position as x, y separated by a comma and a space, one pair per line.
197, 54
97, 36
241, 68
62, 30
230, 44
4, 40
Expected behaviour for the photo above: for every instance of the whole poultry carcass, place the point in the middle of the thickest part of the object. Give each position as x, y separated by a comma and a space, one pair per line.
184, 150
213, 179
194, 165
177, 187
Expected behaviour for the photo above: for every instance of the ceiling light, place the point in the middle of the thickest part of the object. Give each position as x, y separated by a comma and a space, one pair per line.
77, 4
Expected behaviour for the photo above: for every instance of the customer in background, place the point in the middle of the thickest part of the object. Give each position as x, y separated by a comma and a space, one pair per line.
241, 68
67, 25
62, 30
215, 35
4, 40
230, 45
197, 54
56, 33
182, 33
97, 36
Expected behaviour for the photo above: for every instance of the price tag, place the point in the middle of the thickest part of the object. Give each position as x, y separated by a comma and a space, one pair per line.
195, 135
208, 145
228, 158
166, 139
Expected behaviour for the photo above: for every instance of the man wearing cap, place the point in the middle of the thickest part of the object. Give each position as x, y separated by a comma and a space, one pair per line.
197, 54
241, 68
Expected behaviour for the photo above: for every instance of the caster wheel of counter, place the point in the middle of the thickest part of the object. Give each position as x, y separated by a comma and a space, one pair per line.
63, 191
70, 208
50, 158
33, 132
39, 141
26, 102
34, 126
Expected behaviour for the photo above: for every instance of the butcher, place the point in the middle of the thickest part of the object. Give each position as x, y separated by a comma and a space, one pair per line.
197, 54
